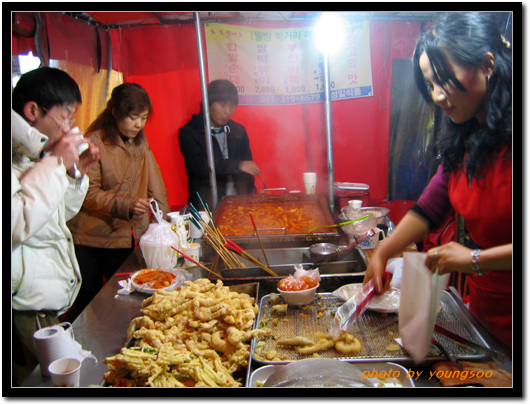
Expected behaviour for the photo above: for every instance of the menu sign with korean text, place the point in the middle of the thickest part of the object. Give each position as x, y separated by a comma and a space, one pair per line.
282, 66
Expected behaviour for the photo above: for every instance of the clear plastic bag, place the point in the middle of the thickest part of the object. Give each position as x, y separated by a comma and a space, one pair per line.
156, 242
387, 302
300, 280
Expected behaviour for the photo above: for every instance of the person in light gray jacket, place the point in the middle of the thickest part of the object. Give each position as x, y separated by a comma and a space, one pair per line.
48, 187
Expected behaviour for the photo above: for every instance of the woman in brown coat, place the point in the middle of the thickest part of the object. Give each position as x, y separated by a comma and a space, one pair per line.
116, 211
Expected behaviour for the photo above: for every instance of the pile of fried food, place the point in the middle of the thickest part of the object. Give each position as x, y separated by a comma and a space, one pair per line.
345, 343
197, 335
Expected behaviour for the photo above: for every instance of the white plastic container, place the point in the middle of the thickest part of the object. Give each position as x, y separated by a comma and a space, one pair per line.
178, 225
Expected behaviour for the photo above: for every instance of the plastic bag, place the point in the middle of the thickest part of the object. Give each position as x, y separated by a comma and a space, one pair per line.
300, 280
387, 302
156, 242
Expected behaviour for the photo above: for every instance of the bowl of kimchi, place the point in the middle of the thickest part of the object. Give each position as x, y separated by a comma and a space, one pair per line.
151, 280
298, 291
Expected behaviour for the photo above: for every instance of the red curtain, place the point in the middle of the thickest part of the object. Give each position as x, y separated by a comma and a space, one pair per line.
285, 140
163, 60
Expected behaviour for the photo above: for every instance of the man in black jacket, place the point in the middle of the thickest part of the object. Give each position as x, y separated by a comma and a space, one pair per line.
234, 167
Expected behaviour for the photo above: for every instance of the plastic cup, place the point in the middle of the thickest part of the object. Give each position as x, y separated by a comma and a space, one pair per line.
65, 372
192, 250
310, 183
355, 204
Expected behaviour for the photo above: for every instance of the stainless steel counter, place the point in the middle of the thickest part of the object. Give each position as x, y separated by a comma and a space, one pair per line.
102, 328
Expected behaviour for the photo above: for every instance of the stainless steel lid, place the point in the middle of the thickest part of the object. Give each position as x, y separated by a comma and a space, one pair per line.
352, 186
323, 249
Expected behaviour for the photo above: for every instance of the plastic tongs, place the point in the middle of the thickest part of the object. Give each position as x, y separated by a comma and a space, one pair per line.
352, 309
447, 355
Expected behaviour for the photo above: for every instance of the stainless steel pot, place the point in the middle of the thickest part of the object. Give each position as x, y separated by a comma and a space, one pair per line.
320, 251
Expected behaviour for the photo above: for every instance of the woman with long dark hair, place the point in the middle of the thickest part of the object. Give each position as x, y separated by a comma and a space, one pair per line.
463, 66
116, 210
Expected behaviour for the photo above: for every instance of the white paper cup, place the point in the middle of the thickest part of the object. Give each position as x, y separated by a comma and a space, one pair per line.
310, 183
310, 188
310, 177
355, 204
65, 372
192, 250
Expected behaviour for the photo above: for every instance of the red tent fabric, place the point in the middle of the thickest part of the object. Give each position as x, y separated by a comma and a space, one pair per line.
285, 140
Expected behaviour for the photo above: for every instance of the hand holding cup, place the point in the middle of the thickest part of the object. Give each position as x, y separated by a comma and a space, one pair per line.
88, 159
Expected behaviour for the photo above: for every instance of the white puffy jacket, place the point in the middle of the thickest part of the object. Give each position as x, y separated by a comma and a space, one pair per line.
45, 274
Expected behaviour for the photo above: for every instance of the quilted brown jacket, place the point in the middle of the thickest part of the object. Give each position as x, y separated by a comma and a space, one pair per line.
124, 173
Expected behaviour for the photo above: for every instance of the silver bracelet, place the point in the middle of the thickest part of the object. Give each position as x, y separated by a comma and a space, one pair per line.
475, 266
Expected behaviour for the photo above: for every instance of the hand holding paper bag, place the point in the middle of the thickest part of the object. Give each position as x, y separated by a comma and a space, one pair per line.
420, 298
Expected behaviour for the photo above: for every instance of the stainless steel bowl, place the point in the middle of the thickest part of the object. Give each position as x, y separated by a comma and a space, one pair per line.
380, 213
319, 373
322, 250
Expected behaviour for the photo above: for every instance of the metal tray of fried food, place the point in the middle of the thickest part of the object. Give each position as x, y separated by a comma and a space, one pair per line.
251, 289
377, 346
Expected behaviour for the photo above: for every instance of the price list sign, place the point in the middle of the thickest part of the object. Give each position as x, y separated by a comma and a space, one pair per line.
282, 66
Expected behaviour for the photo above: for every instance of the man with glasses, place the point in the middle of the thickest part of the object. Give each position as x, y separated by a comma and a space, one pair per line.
48, 187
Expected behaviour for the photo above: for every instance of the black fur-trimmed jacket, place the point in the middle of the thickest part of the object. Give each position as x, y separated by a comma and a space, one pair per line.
193, 147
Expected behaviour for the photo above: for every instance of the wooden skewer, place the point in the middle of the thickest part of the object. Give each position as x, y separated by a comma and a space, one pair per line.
225, 247
258, 263
230, 259
216, 239
259, 239
249, 257
196, 262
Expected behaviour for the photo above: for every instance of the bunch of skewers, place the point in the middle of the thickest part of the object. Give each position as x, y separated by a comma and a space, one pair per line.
227, 250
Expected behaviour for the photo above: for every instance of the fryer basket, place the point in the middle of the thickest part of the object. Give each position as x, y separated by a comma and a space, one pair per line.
305, 321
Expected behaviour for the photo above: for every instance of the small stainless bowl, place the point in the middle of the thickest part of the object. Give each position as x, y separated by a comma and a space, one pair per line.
320, 251
380, 213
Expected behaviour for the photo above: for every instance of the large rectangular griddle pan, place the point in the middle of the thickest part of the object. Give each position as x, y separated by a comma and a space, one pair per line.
285, 231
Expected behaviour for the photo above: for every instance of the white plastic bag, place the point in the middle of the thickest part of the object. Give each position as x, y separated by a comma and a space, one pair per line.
301, 279
156, 242
387, 302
